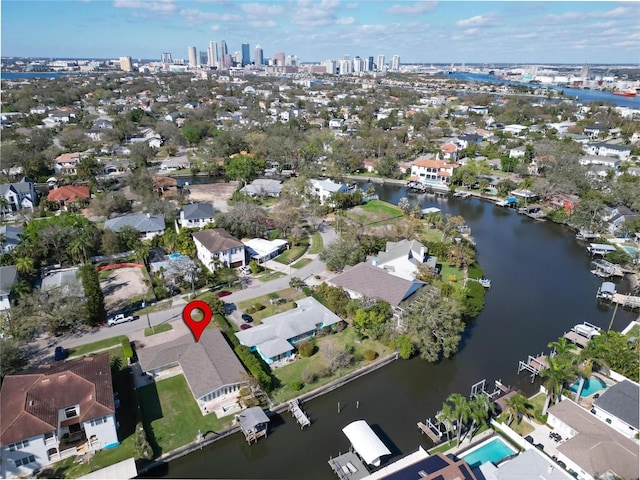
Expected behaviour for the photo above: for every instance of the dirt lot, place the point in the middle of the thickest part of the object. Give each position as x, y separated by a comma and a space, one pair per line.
121, 286
215, 193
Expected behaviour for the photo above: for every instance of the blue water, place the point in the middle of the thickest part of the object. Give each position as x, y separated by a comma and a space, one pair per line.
631, 251
174, 255
591, 386
30, 75
494, 451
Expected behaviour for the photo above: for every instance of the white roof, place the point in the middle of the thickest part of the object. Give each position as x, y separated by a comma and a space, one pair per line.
365, 442
263, 247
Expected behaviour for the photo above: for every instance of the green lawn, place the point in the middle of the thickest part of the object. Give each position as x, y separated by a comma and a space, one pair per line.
99, 345
340, 341
451, 274
292, 254
302, 262
316, 243
289, 294
634, 332
163, 327
171, 416
381, 208
430, 235
270, 275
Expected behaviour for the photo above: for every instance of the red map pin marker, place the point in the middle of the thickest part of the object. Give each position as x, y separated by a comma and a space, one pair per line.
197, 327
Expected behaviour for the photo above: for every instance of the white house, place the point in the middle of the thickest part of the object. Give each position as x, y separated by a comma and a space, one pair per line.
10, 235
618, 406
7, 279
67, 163
518, 152
608, 150
515, 129
324, 188
611, 162
336, 123
432, 172
262, 250
216, 246
402, 258
55, 414
19, 195
196, 215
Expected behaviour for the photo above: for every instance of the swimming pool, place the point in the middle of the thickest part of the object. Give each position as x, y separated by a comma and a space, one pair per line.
492, 450
630, 250
173, 256
591, 386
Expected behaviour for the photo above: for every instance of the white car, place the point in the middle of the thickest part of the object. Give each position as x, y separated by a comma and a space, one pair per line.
120, 318
246, 270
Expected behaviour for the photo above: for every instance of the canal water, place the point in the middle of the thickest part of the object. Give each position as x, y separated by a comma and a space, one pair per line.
541, 287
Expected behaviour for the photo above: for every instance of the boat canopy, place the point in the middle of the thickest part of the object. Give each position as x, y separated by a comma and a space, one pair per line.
365, 442
608, 287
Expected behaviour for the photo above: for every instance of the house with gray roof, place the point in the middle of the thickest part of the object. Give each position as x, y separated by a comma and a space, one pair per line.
263, 187
403, 258
323, 189
196, 215
528, 465
65, 280
618, 406
10, 235
8, 276
212, 370
217, 247
18, 195
275, 339
591, 447
147, 224
365, 280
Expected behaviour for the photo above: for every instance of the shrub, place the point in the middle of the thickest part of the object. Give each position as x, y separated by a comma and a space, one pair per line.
297, 385
370, 355
258, 306
255, 367
273, 295
405, 347
250, 310
325, 371
309, 376
127, 351
474, 300
306, 349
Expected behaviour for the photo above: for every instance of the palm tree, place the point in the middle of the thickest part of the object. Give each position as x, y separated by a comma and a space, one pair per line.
447, 418
558, 372
589, 358
25, 266
481, 410
563, 348
516, 406
461, 410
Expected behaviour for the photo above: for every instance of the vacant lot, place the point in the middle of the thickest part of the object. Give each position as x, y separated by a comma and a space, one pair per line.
122, 286
214, 193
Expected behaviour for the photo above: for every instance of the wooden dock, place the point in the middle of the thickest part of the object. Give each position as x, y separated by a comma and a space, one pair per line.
533, 365
430, 433
627, 301
298, 414
606, 269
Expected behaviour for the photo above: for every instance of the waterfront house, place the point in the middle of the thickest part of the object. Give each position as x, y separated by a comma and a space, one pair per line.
216, 247
323, 189
263, 187
196, 215
8, 277
365, 280
276, 337
18, 195
212, 371
10, 235
432, 172
403, 258
618, 406
148, 225
591, 447
528, 465
63, 411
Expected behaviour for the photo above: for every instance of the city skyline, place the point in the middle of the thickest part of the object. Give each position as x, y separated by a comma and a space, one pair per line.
419, 32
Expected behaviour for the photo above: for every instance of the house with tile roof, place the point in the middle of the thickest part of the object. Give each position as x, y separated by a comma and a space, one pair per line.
69, 194
216, 247
365, 280
618, 406
196, 215
147, 224
432, 172
276, 337
63, 411
212, 370
67, 163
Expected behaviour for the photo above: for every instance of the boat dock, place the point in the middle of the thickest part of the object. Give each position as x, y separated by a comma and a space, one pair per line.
533, 365
430, 429
463, 195
604, 269
298, 414
348, 466
627, 301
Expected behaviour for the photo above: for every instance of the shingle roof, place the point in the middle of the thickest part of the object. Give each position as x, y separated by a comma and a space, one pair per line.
375, 282
217, 240
30, 403
207, 365
197, 211
402, 249
622, 400
143, 222
7, 279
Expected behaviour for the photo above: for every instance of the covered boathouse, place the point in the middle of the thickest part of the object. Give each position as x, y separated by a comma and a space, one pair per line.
365, 442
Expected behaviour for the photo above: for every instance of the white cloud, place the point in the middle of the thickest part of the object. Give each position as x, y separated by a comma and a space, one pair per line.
256, 9
526, 35
345, 21
565, 18
313, 14
155, 6
414, 8
198, 17
214, 28
619, 12
477, 21
262, 23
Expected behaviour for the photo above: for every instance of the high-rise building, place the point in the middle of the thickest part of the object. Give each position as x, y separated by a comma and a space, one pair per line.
166, 58
223, 48
212, 54
246, 56
193, 59
370, 64
278, 59
357, 65
330, 66
125, 64
203, 58
584, 73
259, 55
395, 63
380, 64
345, 66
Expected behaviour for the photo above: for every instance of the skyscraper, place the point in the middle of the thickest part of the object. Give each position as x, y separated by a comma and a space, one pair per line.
370, 64
278, 59
380, 63
395, 63
212, 52
223, 48
125, 64
166, 58
259, 55
204, 59
193, 58
246, 56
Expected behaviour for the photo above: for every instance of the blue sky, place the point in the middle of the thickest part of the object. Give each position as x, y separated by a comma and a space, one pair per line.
314, 30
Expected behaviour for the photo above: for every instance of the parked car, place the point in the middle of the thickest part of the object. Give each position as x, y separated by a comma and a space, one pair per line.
60, 354
246, 270
247, 318
223, 293
119, 318
245, 326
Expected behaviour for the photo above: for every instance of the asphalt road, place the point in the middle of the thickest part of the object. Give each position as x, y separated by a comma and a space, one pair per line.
44, 347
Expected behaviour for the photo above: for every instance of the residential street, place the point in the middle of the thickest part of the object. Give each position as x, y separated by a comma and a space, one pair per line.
136, 328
